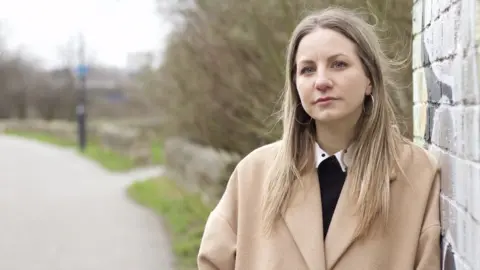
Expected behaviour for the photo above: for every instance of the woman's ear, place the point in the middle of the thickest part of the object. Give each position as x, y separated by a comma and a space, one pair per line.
368, 90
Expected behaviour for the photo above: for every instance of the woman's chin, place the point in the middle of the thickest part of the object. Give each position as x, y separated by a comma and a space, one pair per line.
327, 116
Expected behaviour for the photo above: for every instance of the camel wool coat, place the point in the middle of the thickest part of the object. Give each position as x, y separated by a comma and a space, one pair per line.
233, 236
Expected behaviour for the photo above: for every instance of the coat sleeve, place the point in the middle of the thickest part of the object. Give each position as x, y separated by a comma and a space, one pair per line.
217, 249
218, 245
428, 255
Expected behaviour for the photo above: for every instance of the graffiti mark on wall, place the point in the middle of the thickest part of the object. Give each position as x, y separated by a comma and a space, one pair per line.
438, 120
446, 89
436, 87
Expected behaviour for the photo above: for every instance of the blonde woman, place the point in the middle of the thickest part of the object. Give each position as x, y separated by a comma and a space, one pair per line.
342, 189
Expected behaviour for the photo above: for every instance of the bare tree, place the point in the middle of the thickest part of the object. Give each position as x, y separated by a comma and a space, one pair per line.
222, 74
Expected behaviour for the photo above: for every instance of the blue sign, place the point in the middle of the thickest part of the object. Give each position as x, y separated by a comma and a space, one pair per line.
116, 97
82, 70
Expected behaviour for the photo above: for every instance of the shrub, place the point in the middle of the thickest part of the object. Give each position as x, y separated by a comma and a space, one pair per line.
223, 70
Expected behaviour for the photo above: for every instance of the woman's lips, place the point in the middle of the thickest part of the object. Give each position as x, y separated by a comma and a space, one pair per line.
324, 100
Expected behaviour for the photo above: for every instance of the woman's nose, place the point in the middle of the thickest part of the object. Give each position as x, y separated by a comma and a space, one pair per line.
322, 83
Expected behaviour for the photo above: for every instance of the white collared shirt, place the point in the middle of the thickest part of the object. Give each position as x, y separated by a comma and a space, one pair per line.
321, 155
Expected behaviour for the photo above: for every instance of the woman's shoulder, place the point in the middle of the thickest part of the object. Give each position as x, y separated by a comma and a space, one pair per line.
411, 151
259, 157
418, 160
245, 183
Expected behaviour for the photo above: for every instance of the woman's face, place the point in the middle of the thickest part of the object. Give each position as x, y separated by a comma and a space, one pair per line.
330, 79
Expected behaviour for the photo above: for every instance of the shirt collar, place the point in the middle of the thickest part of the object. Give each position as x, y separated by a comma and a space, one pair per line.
321, 155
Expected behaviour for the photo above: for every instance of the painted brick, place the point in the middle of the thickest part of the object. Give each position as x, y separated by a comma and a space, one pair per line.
449, 21
462, 236
475, 191
445, 215
419, 85
435, 6
460, 264
478, 74
446, 115
467, 26
458, 136
460, 172
437, 52
472, 236
417, 18
476, 261
477, 30
471, 121
455, 9
446, 163
469, 86
416, 57
450, 234
419, 112
442, 133
457, 65
453, 224
444, 4
427, 12
457, 93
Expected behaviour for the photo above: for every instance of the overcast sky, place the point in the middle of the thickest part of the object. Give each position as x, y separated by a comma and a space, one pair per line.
112, 28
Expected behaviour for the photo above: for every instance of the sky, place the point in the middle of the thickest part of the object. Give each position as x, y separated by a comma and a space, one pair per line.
112, 28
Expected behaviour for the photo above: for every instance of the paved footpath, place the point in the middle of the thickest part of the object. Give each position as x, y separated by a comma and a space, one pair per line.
59, 211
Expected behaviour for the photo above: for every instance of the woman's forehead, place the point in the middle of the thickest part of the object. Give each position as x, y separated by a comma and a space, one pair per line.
324, 43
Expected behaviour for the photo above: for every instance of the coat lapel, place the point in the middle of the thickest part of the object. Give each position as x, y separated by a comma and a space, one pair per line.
341, 232
303, 218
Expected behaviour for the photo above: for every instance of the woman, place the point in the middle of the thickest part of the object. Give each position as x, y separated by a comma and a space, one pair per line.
342, 189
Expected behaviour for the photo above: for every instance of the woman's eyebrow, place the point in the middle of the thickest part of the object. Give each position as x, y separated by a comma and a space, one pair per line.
309, 61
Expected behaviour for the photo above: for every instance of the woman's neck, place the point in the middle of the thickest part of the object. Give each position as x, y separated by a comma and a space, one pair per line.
334, 137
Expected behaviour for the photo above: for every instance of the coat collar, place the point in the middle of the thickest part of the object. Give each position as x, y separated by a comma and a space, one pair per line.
305, 206
303, 218
348, 159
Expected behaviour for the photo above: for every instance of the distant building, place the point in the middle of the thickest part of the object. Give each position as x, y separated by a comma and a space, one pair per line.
61, 77
139, 60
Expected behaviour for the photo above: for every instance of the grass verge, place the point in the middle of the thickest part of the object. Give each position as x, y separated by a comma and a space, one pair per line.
184, 213
108, 159
157, 152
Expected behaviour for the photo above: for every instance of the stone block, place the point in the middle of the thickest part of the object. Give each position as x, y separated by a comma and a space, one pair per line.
199, 168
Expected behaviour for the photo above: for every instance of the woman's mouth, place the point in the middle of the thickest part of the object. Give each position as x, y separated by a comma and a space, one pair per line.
324, 100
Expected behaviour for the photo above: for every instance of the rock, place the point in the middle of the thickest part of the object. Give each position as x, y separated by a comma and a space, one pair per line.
117, 138
199, 168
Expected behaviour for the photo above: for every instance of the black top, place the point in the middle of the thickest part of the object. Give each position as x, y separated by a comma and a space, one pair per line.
332, 178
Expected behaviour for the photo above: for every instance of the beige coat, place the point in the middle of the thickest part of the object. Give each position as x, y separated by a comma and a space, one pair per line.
233, 238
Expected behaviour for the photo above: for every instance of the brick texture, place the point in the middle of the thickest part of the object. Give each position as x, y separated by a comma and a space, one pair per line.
446, 37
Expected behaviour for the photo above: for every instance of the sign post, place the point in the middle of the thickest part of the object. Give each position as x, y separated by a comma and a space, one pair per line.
81, 72
80, 110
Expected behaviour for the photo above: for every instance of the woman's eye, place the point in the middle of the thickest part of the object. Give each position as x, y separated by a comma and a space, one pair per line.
306, 70
339, 64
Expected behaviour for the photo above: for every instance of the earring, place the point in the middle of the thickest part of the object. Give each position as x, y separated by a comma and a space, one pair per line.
300, 122
364, 104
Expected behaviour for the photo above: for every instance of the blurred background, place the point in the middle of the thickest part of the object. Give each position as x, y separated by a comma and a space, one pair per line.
189, 85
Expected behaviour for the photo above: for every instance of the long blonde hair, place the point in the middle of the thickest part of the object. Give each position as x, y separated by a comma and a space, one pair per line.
377, 143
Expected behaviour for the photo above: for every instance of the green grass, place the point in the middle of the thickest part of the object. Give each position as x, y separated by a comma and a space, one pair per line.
106, 158
157, 152
184, 213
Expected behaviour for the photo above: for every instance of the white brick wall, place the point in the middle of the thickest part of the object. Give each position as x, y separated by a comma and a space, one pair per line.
447, 116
